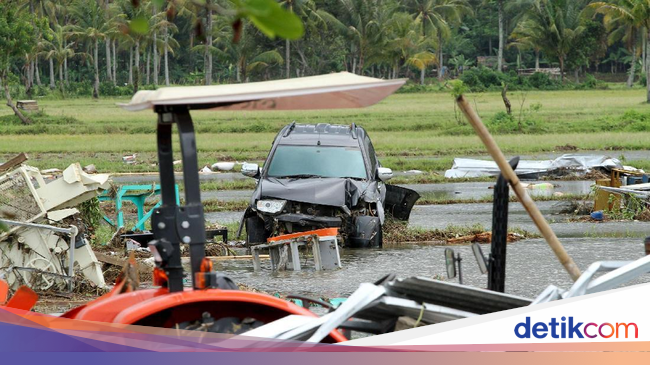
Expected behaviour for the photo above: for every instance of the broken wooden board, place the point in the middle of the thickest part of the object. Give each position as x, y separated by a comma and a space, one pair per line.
14, 162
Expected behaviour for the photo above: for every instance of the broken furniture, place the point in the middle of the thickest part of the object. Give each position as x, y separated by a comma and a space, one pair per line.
284, 252
136, 194
33, 252
609, 190
30, 105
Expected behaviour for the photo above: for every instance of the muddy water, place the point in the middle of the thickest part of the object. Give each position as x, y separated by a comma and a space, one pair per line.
531, 267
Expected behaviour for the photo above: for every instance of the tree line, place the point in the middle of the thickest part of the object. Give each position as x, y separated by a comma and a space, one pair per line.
150, 43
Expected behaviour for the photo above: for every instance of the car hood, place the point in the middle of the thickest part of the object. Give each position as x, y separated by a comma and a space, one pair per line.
336, 192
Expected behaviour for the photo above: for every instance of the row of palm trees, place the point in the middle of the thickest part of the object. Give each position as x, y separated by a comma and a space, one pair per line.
96, 29
386, 38
382, 35
557, 28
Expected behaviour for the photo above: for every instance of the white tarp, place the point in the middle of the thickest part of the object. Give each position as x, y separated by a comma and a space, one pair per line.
333, 91
465, 167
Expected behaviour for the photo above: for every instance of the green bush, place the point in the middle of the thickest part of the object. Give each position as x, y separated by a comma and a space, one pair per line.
542, 81
483, 78
412, 87
504, 123
633, 121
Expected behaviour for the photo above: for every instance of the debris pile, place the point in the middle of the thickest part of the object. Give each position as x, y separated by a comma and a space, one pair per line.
484, 237
564, 165
36, 250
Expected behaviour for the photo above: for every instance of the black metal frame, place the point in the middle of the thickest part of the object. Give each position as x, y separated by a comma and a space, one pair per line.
174, 225
497, 261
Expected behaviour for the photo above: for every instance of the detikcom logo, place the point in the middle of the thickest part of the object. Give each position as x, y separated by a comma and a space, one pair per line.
571, 329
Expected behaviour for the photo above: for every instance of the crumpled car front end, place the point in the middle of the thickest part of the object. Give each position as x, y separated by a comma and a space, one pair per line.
357, 207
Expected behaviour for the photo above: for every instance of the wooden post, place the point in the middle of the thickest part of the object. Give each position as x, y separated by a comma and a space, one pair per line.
521, 193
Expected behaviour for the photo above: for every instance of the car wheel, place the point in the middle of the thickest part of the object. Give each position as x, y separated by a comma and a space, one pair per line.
255, 231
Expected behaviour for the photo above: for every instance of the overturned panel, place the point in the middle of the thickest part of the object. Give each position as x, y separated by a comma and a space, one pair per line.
466, 167
332, 91
456, 296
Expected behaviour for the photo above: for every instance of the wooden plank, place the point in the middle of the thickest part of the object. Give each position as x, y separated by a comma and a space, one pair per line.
14, 162
120, 261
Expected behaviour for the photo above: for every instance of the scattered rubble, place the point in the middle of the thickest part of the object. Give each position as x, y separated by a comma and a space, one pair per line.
485, 237
36, 248
129, 159
561, 166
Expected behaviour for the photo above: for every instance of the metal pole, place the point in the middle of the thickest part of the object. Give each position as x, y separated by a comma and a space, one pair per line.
73, 239
497, 261
460, 268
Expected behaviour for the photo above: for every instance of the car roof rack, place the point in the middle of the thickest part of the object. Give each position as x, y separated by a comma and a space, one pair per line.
289, 129
353, 130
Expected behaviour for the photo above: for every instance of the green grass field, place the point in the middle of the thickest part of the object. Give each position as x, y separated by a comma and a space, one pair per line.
410, 131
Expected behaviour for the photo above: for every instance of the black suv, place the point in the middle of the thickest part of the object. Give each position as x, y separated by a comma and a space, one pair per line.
323, 176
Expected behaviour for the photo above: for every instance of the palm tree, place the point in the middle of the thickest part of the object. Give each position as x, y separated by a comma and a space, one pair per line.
134, 38
358, 23
407, 45
263, 62
306, 10
522, 39
58, 48
624, 20
439, 16
554, 26
90, 27
461, 63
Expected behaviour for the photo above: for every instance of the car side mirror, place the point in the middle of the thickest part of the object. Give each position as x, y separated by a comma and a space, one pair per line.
384, 173
250, 170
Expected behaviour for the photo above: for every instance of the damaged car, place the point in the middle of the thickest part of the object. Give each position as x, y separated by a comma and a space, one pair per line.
324, 176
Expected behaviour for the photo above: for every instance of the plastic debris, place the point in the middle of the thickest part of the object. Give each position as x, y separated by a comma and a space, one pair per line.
576, 164
90, 169
129, 159
223, 166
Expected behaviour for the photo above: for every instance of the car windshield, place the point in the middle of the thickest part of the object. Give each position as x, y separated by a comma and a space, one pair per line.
317, 161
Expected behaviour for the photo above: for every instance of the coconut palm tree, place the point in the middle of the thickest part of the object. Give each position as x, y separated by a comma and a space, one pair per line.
90, 27
407, 44
133, 36
624, 21
438, 16
58, 48
306, 10
554, 26
358, 23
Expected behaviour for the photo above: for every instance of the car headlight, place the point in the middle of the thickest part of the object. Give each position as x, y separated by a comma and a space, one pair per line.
271, 206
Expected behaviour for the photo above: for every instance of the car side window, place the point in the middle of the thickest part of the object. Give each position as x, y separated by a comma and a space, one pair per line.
371, 154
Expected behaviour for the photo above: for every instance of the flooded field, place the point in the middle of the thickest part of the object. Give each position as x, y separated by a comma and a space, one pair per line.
531, 267
531, 264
